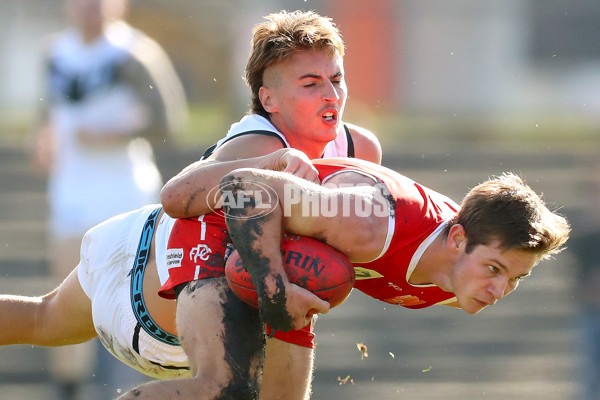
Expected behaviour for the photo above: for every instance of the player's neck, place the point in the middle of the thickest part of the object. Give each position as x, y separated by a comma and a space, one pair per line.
434, 265
90, 35
312, 150
311, 147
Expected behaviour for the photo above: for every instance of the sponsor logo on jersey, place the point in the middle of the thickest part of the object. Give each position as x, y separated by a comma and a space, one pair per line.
201, 252
174, 257
405, 301
365, 273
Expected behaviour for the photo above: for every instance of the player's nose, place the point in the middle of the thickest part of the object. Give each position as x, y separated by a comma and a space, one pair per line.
329, 92
498, 288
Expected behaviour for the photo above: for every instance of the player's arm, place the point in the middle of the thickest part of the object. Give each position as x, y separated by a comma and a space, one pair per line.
151, 75
147, 116
255, 226
257, 238
366, 144
187, 194
42, 151
62, 317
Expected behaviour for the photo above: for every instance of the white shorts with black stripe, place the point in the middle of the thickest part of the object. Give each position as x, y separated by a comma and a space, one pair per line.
108, 253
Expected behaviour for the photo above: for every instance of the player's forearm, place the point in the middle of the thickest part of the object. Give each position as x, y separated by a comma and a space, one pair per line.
255, 229
194, 191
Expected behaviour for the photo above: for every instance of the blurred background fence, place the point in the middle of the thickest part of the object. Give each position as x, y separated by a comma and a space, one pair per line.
457, 90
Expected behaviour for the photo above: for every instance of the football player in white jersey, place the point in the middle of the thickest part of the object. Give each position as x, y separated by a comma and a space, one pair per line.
298, 95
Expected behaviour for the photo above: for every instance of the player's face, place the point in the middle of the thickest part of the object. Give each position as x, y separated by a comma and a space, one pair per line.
487, 274
306, 95
86, 15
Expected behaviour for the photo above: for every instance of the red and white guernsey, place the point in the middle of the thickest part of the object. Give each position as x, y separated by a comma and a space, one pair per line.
417, 216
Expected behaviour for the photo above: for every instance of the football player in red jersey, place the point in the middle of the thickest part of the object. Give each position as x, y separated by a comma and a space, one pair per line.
411, 245
423, 250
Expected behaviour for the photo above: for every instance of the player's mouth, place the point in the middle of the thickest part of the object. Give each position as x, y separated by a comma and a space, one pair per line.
484, 304
330, 117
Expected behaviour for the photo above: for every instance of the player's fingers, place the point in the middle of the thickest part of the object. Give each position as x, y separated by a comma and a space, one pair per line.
300, 323
304, 171
312, 176
307, 321
320, 306
293, 166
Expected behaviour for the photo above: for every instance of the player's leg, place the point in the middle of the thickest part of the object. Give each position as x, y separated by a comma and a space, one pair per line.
224, 341
222, 336
62, 317
297, 363
72, 364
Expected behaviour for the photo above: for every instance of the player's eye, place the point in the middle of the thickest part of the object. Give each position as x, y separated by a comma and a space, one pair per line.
493, 269
514, 282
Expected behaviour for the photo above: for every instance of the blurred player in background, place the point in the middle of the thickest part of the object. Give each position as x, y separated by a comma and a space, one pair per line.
110, 91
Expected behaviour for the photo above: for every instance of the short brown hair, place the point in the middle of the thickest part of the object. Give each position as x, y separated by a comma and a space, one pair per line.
505, 208
280, 36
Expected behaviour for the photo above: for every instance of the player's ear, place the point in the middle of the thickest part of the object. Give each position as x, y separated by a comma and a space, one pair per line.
266, 99
457, 238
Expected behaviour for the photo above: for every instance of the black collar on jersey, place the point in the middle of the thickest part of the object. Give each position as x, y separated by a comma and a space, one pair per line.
211, 149
350, 142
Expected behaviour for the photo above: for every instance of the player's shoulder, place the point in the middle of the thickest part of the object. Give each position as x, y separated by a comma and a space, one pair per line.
252, 136
144, 41
366, 144
134, 42
53, 39
250, 145
59, 44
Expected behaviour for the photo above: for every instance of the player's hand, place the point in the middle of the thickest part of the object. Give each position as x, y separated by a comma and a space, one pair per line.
302, 305
294, 162
43, 151
90, 138
290, 308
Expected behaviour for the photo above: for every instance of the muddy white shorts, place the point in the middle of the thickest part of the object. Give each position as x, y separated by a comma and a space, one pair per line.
110, 273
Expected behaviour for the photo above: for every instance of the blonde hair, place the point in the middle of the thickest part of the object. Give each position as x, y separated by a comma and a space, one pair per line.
283, 34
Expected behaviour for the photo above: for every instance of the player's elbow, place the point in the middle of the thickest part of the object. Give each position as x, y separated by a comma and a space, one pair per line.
365, 241
173, 200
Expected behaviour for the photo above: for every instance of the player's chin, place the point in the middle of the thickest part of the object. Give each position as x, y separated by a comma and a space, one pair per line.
329, 129
473, 306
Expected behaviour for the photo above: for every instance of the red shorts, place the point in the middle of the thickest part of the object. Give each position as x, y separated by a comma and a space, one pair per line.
198, 248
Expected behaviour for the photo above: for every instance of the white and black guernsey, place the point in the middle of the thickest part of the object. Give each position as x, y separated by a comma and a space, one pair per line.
254, 124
